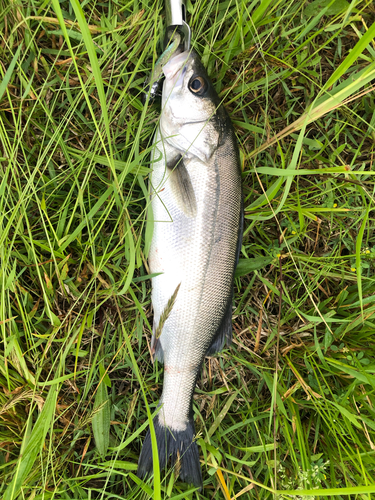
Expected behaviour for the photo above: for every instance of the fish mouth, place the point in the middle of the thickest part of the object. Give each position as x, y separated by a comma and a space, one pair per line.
191, 120
176, 66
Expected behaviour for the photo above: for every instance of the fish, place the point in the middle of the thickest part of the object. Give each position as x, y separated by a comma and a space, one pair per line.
196, 199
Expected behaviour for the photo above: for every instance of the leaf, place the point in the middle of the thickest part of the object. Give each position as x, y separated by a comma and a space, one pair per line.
328, 339
54, 319
292, 167
260, 10
352, 418
33, 446
351, 58
334, 7
9, 285
20, 362
332, 492
97, 72
363, 377
8, 74
184, 495
49, 284
104, 376
339, 96
43, 203
224, 410
64, 242
155, 454
101, 419
120, 464
131, 266
145, 487
135, 434
246, 266
223, 484
260, 448
74, 35
358, 246
280, 172
64, 272
61, 379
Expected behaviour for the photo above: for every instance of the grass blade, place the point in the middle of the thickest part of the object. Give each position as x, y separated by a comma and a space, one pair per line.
101, 419
9, 72
33, 446
358, 252
351, 58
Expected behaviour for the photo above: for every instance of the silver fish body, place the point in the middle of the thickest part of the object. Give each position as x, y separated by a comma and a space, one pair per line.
197, 210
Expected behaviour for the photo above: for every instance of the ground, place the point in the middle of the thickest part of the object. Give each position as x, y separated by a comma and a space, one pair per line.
291, 405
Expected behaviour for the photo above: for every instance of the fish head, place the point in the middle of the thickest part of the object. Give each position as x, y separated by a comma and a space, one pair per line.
191, 110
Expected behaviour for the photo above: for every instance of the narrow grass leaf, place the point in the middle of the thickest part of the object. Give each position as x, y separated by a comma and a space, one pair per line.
323, 105
131, 265
358, 251
33, 446
96, 73
135, 434
331, 7
314, 21
64, 242
260, 10
363, 377
222, 414
246, 266
351, 58
223, 484
120, 464
259, 449
353, 490
91, 50
184, 495
9, 71
101, 419
279, 172
79, 339
352, 418
145, 487
59, 380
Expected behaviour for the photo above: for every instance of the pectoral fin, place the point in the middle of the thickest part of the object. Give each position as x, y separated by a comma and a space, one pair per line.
182, 187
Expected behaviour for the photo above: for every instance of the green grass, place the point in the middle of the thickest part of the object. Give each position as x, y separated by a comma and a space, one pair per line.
291, 406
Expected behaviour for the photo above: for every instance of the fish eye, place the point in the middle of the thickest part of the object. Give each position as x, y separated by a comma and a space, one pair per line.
197, 85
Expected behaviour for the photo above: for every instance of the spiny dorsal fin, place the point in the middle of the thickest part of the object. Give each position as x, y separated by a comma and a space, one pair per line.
182, 187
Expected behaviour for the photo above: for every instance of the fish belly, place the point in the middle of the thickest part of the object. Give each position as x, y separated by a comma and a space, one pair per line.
197, 254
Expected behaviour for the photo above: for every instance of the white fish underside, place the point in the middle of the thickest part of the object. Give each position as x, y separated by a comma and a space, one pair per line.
200, 254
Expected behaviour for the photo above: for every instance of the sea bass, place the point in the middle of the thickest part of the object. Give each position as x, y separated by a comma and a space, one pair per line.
197, 210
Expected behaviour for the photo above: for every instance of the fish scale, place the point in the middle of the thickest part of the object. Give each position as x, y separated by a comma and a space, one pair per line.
196, 199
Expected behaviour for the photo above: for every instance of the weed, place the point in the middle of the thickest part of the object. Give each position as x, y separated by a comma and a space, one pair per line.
291, 404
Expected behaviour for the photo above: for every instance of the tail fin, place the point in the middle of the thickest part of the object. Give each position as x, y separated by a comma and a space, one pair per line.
177, 446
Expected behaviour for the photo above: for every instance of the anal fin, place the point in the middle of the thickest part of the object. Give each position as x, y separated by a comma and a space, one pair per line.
224, 333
